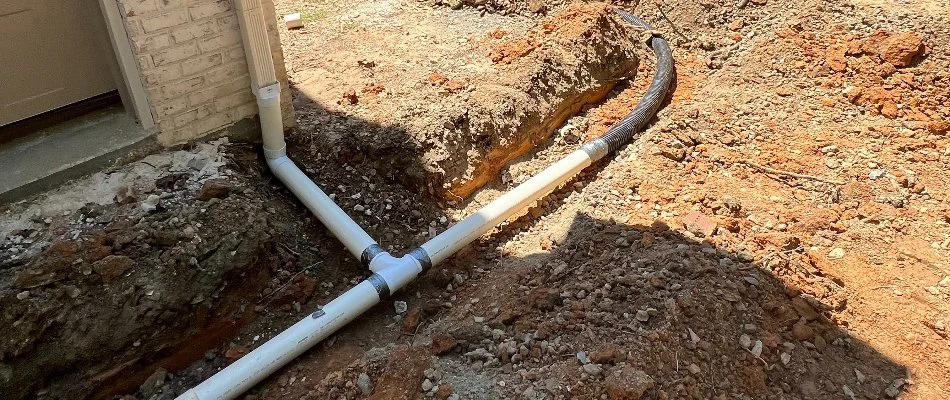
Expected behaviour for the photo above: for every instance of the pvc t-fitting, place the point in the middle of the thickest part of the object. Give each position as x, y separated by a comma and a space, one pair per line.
391, 273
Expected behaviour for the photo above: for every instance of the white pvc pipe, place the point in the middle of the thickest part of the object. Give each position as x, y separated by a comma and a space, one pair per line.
275, 353
391, 274
331, 215
461, 234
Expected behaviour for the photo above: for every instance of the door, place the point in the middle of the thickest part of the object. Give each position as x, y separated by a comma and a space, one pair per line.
52, 53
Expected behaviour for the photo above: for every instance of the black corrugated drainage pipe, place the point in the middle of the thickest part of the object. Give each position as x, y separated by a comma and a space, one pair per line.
391, 273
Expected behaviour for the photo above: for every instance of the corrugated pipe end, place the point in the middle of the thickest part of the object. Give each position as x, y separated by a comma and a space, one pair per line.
632, 124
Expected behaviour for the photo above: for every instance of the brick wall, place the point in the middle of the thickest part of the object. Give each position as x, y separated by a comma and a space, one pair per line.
192, 65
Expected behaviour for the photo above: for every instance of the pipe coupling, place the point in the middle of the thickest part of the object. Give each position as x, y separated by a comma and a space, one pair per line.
268, 95
271, 154
596, 149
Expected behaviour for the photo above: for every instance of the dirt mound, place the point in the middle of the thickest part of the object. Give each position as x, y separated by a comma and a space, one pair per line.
451, 131
645, 303
572, 60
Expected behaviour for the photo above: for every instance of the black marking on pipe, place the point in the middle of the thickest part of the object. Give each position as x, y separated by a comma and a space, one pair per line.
370, 253
420, 255
382, 288
319, 313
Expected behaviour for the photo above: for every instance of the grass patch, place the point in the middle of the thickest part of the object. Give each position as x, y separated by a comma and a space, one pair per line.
314, 15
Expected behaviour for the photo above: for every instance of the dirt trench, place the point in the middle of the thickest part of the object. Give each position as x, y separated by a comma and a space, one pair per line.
138, 272
122, 287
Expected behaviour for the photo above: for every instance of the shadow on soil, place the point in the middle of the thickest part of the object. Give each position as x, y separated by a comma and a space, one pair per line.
673, 306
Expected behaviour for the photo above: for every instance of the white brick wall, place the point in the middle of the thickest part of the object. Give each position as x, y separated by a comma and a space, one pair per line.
192, 65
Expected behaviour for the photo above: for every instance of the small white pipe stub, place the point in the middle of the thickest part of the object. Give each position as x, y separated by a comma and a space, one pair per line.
293, 21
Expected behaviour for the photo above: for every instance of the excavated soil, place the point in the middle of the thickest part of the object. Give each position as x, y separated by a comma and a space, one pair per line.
781, 230
473, 101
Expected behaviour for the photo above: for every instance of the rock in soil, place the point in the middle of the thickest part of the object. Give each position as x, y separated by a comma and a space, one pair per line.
112, 267
214, 189
628, 383
365, 384
442, 344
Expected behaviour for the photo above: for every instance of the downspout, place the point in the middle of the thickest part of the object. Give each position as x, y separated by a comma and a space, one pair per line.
389, 273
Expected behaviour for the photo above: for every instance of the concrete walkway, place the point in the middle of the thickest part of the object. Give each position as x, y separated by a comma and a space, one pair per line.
68, 150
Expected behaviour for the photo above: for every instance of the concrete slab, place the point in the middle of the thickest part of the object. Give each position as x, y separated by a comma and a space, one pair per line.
68, 150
